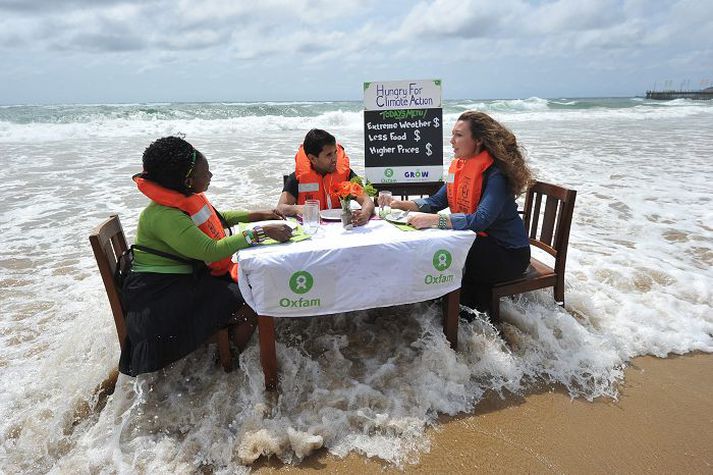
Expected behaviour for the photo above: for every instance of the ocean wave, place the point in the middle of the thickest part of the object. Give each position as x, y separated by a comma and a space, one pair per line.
138, 124
24, 124
514, 105
590, 117
679, 102
68, 114
565, 102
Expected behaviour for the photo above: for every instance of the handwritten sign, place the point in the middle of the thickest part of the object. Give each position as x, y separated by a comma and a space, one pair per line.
403, 136
402, 94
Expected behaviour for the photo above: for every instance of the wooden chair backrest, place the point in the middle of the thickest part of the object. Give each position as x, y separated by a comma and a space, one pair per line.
548, 228
108, 242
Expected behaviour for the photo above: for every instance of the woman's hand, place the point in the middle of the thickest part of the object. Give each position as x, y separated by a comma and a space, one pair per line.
404, 205
397, 204
393, 203
278, 232
265, 215
385, 200
422, 220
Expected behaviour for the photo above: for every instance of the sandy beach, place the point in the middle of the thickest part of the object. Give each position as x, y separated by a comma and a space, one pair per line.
661, 423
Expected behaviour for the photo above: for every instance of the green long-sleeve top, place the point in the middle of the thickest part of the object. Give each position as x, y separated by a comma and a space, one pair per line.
171, 230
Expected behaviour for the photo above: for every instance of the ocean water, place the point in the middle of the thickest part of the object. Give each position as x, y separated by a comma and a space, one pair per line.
639, 281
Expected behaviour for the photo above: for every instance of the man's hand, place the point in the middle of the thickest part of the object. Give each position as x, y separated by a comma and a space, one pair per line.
289, 210
265, 215
360, 217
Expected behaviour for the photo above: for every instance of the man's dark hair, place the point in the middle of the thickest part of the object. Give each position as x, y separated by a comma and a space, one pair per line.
167, 162
316, 139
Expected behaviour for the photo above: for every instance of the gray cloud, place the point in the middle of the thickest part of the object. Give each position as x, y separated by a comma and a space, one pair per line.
322, 39
103, 42
266, 27
303, 26
603, 24
47, 6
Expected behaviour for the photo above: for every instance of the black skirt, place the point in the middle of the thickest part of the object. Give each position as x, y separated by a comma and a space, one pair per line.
169, 315
488, 263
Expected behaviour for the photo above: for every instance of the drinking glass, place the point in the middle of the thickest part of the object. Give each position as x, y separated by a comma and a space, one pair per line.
385, 199
310, 216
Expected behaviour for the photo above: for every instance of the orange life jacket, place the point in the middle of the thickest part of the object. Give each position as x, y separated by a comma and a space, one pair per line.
313, 186
465, 182
201, 212
464, 185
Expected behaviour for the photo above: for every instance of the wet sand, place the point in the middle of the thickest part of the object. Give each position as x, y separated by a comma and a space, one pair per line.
661, 423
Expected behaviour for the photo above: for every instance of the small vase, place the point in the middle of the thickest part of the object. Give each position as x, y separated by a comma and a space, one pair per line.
347, 219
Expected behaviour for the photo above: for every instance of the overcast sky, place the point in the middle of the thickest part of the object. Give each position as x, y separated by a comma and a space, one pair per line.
98, 51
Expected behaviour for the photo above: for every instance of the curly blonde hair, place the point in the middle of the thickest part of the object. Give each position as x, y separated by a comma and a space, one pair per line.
503, 147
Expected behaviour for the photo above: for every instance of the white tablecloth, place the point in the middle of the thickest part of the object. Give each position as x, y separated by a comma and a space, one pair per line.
336, 271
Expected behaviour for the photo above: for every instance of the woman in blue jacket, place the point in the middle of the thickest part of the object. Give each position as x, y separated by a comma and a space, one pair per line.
487, 173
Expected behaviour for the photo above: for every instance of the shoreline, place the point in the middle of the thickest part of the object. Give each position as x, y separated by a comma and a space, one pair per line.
662, 422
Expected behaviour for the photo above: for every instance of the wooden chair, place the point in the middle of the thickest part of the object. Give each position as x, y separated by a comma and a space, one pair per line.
108, 242
551, 235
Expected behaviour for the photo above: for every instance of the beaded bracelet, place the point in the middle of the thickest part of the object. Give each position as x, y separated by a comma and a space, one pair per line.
442, 221
260, 234
249, 237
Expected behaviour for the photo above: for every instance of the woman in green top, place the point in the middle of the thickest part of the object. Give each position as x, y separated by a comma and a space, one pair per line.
173, 301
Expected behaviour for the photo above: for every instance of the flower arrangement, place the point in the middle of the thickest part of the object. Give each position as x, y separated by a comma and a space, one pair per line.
368, 187
347, 191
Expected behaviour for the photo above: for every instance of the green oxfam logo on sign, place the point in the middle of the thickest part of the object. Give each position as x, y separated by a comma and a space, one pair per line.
388, 173
301, 282
442, 260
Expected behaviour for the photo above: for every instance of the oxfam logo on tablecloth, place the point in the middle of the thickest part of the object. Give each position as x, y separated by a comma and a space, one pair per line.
442, 260
388, 173
301, 282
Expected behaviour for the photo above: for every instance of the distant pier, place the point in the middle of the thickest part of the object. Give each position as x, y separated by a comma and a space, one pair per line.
705, 94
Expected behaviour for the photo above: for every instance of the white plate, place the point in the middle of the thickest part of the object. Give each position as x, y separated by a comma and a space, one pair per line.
288, 222
398, 216
334, 214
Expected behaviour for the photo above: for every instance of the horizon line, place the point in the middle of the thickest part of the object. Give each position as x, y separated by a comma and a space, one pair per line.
294, 101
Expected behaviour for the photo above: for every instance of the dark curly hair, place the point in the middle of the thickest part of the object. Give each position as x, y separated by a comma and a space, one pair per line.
503, 147
167, 162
